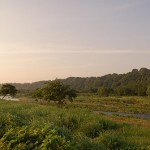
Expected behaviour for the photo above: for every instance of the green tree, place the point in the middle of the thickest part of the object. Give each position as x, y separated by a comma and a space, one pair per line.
104, 91
142, 90
148, 90
71, 93
38, 94
123, 91
8, 89
56, 91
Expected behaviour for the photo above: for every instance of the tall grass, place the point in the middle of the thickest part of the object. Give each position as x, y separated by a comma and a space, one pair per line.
34, 126
130, 104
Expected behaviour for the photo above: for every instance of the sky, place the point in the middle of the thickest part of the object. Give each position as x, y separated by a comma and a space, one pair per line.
48, 39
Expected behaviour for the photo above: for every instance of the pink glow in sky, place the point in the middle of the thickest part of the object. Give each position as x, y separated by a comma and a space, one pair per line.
47, 39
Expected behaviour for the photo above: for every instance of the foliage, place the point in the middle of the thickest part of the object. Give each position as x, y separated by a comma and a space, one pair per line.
33, 138
34, 126
8, 89
104, 91
128, 104
38, 94
133, 83
117, 142
71, 93
148, 91
55, 91
137, 79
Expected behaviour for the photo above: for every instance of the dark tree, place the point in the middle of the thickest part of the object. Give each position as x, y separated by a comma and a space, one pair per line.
38, 94
104, 91
71, 93
148, 91
56, 91
8, 89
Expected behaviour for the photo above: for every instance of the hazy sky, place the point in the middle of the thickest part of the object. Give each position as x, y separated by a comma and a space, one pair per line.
45, 39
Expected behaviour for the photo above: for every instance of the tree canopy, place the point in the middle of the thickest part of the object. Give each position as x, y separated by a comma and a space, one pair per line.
148, 91
104, 91
8, 89
131, 83
55, 91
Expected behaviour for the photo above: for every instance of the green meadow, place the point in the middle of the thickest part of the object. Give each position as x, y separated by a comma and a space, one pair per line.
29, 125
129, 104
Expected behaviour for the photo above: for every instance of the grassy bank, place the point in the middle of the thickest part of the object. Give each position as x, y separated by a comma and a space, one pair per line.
33, 126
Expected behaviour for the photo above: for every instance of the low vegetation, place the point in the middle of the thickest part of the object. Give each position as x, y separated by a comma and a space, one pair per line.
128, 104
25, 125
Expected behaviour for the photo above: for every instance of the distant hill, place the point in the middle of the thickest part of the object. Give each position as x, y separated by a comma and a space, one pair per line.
135, 77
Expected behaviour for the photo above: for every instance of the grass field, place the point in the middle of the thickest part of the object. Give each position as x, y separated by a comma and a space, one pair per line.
28, 125
114, 104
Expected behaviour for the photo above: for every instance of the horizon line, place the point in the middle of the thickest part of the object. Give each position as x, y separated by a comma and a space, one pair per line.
63, 78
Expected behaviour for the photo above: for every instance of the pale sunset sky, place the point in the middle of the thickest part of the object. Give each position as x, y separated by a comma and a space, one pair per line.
48, 39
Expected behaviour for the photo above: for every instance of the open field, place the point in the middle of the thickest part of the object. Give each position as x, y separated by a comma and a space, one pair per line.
26, 125
114, 104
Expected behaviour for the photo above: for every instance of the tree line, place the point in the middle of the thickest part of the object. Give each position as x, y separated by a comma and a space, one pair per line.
134, 83
134, 90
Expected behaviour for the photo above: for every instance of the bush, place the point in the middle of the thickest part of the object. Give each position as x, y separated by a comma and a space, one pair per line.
94, 129
104, 91
33, 138
71, 122
86, 144
118, 142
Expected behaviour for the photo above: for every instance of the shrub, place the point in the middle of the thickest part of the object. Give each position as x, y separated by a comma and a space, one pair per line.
33, 138
71, 122
118, 142
94, 129
86, 144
